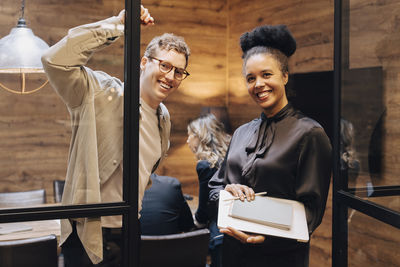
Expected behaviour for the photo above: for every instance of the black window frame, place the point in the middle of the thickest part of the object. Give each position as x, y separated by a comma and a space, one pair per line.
128, 208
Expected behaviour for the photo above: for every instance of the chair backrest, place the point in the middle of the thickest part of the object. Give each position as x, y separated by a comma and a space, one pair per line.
58, 186
21, 199
184, 249
39, 251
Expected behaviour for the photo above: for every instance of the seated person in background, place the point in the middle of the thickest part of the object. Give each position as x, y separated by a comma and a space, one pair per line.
209, 143
164, 209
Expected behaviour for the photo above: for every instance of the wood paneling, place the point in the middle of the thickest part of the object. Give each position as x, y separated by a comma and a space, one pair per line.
321, 239
35, 130
203, 25
373, 243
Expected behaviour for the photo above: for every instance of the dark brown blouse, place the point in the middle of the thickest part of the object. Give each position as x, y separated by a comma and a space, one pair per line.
288, 155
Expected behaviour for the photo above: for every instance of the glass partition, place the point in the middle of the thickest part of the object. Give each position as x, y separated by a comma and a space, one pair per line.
367, 178
368, 247
37, 129
369, 109
40, 132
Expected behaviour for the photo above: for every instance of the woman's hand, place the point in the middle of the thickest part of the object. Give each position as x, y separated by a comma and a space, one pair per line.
240, 191
243, 237
145, 17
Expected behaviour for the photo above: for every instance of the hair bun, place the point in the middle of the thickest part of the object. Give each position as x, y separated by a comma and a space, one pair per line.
275, 36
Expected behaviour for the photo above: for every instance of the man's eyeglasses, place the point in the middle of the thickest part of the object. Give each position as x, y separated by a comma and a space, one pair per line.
165, 67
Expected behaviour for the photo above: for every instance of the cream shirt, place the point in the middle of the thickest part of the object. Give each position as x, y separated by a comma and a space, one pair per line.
149, 146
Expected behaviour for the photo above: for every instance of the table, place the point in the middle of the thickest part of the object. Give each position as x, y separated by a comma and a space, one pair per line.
37, 229
48, 227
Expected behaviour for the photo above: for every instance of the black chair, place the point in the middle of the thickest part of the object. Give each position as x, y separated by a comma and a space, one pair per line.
184, 249
39, 251
21, 199
58, 186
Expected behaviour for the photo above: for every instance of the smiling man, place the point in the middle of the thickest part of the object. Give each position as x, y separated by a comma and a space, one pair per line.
163, 67
95, 103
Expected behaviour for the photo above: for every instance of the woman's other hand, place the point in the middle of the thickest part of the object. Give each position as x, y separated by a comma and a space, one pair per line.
243, 237
240, 191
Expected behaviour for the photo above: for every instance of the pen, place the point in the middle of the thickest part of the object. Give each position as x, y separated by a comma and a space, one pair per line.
256, 194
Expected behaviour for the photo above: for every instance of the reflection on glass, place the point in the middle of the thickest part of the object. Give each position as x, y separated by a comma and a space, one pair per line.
369, 93
349, 163
94, 101
36, 130
369, 247
70, 131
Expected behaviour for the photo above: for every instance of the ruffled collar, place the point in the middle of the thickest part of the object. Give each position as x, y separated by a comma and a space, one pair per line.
263, 137
286, 110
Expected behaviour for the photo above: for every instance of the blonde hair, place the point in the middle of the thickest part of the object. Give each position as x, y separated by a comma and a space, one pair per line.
214, 140
168, 41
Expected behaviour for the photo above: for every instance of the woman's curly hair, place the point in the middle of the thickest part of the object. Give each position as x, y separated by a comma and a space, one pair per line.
273, 36
272, 39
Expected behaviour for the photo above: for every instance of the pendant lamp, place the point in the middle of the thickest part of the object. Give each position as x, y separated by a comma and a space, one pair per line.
20, 53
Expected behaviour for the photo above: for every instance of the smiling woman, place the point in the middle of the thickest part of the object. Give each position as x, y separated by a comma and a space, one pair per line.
282, 152
266, 83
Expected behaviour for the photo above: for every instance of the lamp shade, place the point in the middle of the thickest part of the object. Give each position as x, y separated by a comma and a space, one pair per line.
21, 51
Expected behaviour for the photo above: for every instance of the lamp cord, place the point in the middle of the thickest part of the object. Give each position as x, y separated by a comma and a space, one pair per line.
22, 9
21, 22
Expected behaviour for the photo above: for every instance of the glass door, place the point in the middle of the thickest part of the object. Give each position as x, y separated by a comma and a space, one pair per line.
36, 129
366, 198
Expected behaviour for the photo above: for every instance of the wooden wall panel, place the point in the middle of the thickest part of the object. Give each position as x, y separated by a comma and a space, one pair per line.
34, 141
35, 130
203, 25
374, 41
373, 243
321, 240
377, 19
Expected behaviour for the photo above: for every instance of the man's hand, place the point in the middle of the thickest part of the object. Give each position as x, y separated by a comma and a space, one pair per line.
243, 237
240, 191
121, 16
145, 17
